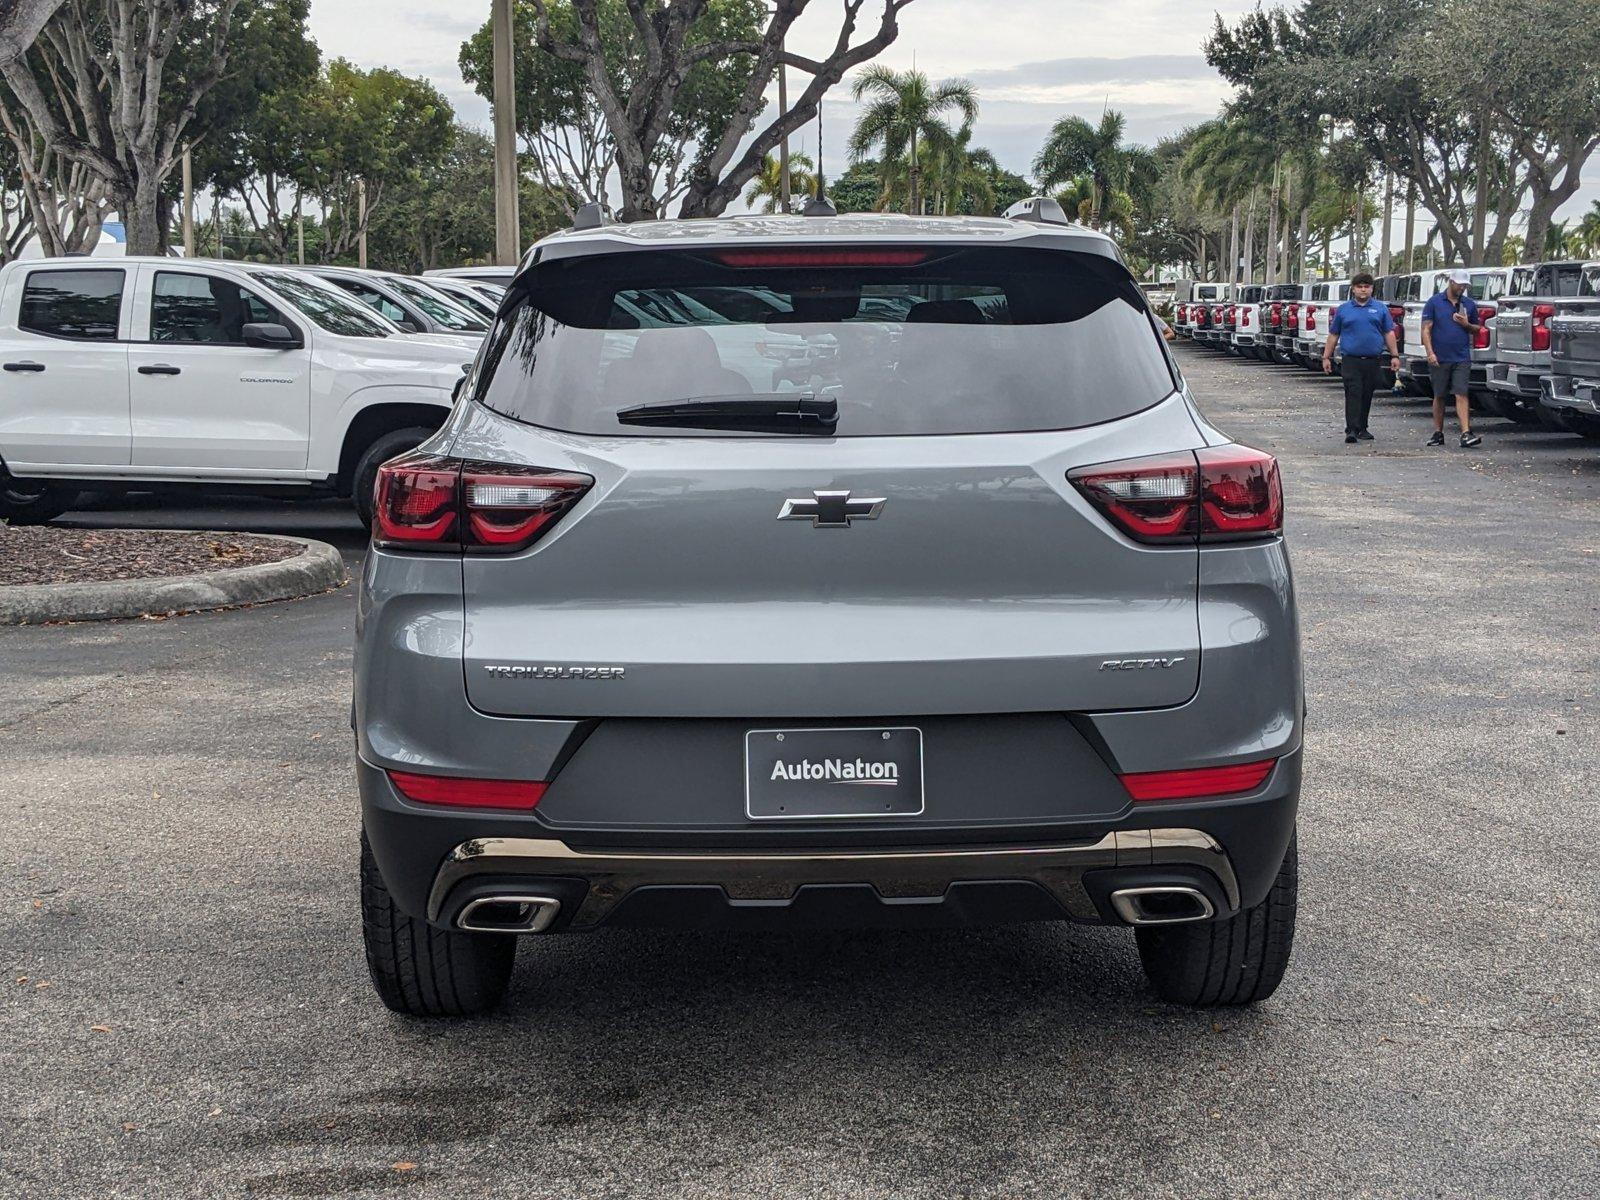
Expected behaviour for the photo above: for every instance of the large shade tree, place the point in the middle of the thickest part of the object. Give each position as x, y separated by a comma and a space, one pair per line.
640, 109
115, 86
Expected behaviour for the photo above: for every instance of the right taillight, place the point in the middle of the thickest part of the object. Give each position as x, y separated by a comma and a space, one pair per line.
1182, 314
431, 502
1480, 340
1541, 331
1221, 494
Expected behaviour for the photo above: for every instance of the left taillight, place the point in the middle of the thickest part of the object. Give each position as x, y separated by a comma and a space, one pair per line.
1480, 340
432, 502
1541, 326
1218, 494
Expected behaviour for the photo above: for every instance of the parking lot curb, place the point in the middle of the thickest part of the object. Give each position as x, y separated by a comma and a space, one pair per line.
317, 568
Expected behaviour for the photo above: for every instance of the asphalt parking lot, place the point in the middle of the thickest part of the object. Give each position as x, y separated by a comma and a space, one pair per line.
187, 1012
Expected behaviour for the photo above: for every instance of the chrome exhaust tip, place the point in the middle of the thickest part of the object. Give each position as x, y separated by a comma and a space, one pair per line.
1162, 905
508, 914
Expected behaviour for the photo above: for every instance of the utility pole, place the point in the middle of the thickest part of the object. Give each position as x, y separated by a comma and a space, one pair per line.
1388, 218
783, 146
361, 222
188, 203
1411, 220
507, 222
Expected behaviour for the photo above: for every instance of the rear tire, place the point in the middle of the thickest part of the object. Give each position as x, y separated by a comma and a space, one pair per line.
384, 447
1237, 961
33, 503
426, 972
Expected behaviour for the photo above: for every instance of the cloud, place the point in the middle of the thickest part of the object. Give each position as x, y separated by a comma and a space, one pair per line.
1082, 72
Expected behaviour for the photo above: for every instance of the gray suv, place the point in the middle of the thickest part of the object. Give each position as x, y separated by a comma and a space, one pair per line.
826, 571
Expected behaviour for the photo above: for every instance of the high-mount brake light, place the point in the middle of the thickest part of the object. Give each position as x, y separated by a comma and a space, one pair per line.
1196, 782
822, 256
1218, 494
429, 502
1541, 330
456, 792
1480, 340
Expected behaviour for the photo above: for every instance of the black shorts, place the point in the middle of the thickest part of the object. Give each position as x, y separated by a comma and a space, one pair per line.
1450, 379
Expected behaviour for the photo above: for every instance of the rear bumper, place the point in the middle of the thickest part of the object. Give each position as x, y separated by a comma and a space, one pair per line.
1516, 378
1572, 393
438, 863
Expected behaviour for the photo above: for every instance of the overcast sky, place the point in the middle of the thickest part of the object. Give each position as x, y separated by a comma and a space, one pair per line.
1032, 61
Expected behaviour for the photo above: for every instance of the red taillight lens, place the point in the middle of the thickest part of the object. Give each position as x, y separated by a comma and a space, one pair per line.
1150, 499
822, 256
1541, 331
1228, 493
1240, 493
428, 502
1275, 314
1294, 316
467, 793
1480, 340
1311, 318
414, 504
1397, 313
1197, 782
1182, 313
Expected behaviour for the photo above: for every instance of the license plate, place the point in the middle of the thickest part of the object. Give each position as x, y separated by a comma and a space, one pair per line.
804, 774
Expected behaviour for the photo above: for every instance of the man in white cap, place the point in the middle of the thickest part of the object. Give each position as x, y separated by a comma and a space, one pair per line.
1449, 325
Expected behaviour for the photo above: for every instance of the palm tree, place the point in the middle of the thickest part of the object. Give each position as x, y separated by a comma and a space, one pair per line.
767, 187
1589, 227
906, 115
1555, 239
1075, 148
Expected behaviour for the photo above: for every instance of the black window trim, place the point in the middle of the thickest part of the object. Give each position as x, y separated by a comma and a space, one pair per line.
157, 272
122, 300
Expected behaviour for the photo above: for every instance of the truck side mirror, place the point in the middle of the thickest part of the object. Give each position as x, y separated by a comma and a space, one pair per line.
269, 335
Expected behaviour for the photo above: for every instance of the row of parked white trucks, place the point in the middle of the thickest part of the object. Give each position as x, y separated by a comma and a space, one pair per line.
1537, 360
156, 374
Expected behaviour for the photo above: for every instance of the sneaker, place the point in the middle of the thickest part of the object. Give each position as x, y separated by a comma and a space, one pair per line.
1364, 435
1349, 438
1437, 439
1469, 439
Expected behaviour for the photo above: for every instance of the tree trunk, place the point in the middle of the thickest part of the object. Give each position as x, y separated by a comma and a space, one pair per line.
1283, 258
1250, 240
1305, 235
1480, 199
140, 201
1233, 245
1272, 229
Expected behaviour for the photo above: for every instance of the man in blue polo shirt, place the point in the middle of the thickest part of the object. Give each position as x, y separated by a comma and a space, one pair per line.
1362, 328
1449, 324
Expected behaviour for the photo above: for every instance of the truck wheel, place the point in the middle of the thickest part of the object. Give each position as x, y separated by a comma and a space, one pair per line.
33, 503
1237, 961
384, 447
426, 972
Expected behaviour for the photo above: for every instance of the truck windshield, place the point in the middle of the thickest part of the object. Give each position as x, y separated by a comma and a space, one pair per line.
939, 340
326, 307
440, 309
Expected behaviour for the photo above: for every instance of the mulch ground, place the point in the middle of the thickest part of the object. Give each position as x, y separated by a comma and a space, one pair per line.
40, 554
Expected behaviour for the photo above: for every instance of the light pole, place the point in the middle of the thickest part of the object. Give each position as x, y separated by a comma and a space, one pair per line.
507, 225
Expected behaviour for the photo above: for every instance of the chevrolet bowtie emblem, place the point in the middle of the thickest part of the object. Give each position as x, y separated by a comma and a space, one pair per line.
832, 510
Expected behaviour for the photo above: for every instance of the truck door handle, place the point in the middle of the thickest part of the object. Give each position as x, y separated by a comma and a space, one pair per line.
24, 366
160, 369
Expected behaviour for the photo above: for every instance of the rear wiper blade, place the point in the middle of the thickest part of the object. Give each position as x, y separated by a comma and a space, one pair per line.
775, 413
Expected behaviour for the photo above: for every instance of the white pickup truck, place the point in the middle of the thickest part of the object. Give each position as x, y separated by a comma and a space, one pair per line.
155, 373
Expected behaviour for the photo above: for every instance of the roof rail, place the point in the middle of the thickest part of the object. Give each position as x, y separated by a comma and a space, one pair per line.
590, 216
819, 206
1038, 208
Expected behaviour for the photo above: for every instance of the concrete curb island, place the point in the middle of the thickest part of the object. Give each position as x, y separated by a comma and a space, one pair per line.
317, 568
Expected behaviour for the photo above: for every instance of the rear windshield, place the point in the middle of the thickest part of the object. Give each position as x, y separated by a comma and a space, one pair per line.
438, 308
330, 309
938, 341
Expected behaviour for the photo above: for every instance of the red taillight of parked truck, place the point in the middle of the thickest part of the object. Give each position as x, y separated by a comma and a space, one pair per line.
1480, 340
1541, 325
